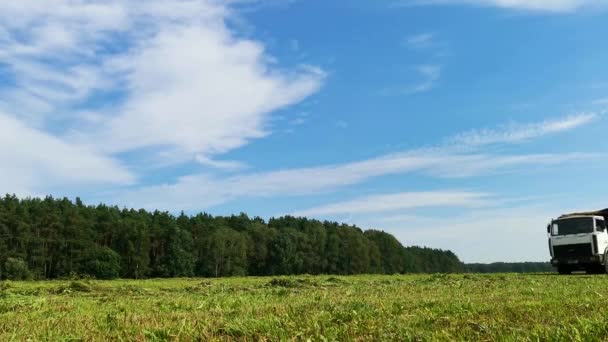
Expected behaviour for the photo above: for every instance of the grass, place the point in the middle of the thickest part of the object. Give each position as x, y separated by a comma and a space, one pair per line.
318, 308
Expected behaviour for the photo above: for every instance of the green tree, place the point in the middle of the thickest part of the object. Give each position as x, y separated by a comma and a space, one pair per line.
52, 238
392, 252
16, 269
224, 254
101, 263
284, 258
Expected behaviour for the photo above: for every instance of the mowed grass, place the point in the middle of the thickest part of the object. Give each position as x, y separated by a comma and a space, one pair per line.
317, 308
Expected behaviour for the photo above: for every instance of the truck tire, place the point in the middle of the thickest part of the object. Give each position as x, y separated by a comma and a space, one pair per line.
606, 261
563, 269
596, 269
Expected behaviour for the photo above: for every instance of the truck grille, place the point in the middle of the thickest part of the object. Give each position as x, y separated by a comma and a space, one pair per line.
573, 251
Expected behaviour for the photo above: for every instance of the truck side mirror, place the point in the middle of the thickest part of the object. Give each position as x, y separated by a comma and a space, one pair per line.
549, 228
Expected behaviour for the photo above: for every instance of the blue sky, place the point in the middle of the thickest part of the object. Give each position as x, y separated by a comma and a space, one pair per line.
458, 124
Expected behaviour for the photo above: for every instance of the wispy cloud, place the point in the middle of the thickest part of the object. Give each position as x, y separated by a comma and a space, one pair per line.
226, 165
299, 119
204, 190
475, 233
421, 40
400, 201
479, 164
516, 225
558, 6
446, 161
522, 132
428, 75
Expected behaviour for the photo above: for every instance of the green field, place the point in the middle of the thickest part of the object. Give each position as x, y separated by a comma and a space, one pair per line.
409, 307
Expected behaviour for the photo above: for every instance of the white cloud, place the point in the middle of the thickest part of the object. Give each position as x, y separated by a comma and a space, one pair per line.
428, 74
227, 165
476, 233
517, 132
203, 191
201, 91
167, 79
50, 52
299, 119
400, 201
460, 158
421, 40
33, 161
484, 164
431, 74
532, 5
189, 84
513, 234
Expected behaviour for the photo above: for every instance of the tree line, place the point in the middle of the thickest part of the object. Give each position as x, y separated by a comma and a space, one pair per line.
510, 267
53, 238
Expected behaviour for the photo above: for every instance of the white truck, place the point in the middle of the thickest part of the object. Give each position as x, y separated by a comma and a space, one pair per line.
579, 242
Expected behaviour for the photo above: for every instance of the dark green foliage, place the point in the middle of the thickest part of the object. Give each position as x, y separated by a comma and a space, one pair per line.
224, 253
16, 269
101, 263
53, 238
389, 251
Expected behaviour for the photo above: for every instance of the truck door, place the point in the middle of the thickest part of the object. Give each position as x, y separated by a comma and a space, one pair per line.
602, 235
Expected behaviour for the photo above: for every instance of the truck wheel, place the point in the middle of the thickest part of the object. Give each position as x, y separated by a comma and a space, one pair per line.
606, 262
561, 269
595, 269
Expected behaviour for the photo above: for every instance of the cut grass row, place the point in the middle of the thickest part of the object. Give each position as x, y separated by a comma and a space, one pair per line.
407, 307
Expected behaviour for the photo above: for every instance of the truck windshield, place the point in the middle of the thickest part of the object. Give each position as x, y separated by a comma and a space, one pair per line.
573, 226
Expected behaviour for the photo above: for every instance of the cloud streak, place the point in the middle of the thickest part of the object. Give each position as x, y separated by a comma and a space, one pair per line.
399, 201
555, 6
421, 40
483, 234
428, 74
516, 133
461, 158
204, 190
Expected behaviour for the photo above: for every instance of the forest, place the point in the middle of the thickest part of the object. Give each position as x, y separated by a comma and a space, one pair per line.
55, 238
510, 267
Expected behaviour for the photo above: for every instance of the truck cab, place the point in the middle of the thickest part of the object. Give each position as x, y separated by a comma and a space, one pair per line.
579, 242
